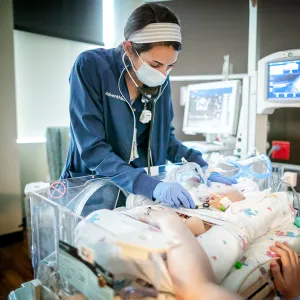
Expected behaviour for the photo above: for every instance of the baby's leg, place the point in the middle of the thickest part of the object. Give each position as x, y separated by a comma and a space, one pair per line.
257, 219
222, 248
225, 245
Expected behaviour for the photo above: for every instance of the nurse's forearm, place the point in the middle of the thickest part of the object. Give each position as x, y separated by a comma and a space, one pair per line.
188, 264
177, 151
189, 267
211, 291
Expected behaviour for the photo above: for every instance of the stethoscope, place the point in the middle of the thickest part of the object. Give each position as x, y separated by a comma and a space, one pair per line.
150, 99
147, 98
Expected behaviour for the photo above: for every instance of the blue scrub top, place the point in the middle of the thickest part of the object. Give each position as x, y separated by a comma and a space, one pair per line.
102, 126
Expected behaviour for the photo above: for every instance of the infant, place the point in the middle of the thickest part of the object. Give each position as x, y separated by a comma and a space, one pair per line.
217, 202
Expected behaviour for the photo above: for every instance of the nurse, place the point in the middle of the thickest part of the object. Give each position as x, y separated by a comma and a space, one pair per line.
121, 111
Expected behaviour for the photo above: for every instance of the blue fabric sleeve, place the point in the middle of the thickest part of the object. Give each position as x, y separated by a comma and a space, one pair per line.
176, 150
145, 185
87, 123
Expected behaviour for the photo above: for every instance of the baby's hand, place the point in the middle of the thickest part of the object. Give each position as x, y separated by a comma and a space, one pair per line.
215, 201
215, 197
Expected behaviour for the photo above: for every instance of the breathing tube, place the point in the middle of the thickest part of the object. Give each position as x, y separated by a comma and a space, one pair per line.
246, 167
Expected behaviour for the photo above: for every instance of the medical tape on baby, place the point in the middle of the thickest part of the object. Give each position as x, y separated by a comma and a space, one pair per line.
157, 32
225, 202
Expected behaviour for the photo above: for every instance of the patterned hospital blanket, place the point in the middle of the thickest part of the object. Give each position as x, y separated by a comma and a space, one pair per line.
247, 229
259, 254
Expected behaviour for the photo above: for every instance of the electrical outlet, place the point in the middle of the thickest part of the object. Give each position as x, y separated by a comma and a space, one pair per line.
290, 178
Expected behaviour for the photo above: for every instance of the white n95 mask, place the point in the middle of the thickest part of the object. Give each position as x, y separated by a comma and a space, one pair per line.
148, 75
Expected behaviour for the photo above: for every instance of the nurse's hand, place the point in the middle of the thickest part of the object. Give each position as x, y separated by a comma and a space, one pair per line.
216, 177
173, 194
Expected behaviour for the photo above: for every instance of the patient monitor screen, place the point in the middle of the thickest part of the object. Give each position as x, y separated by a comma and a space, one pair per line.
284, 80
209, 105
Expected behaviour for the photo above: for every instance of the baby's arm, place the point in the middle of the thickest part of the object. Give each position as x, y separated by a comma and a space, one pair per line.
221, 202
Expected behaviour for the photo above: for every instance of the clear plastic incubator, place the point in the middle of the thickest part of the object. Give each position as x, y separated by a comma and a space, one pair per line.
90, 269
66, 267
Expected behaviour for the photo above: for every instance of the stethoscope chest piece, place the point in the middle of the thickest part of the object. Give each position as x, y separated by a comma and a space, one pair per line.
145, 116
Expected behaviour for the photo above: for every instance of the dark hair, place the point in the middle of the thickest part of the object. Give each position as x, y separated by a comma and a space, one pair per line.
147, 14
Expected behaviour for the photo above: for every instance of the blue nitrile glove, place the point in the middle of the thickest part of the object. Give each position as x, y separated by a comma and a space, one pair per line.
216, 177
173, 194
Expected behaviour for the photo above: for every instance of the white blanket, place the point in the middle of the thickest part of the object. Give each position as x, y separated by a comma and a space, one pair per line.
242, 230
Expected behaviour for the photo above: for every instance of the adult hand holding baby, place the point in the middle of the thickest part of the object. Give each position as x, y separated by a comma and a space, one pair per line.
287, 282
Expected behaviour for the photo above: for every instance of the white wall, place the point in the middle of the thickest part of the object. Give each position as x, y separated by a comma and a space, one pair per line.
10, 192
43, 66
33, 163
122, 10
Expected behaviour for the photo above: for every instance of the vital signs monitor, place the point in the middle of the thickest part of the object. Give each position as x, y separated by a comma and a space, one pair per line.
278, 81
212, 108
284, 80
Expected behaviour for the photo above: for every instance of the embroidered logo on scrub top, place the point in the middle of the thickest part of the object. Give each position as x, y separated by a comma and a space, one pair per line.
114, 96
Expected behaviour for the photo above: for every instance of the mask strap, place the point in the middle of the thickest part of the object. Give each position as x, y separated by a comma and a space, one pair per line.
123, 59
138, 56
140, 90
